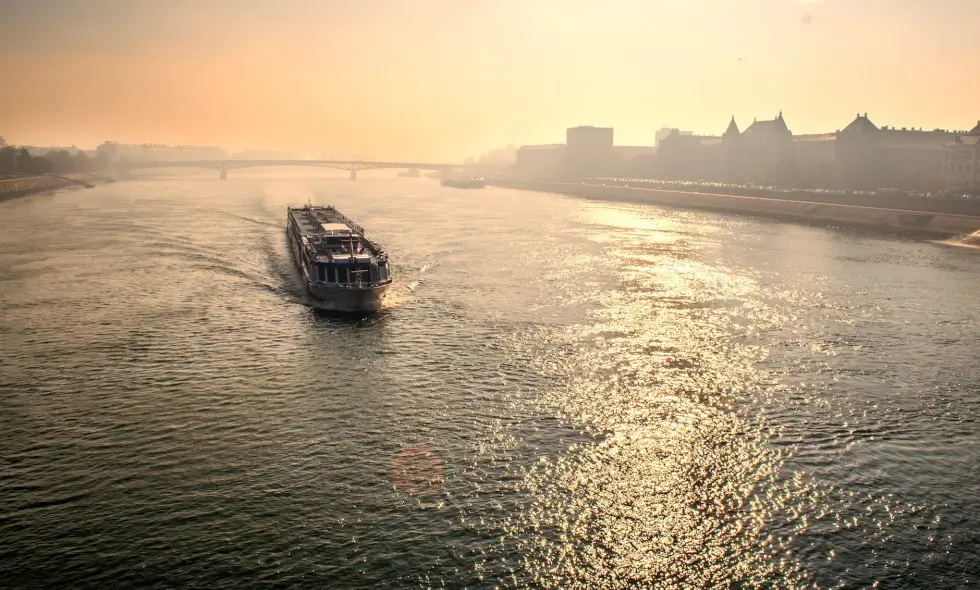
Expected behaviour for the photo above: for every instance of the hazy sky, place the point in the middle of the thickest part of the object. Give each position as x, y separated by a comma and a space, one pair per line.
442, 79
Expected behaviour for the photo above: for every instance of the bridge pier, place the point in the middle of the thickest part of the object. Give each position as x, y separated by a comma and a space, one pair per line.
224, 174
353, 174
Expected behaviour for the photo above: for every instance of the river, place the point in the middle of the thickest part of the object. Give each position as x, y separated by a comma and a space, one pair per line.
560, 393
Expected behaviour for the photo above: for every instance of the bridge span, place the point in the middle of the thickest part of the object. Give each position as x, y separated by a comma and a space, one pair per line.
223, 166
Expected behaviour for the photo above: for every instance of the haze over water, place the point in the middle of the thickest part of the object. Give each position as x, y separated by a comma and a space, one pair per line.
560, 393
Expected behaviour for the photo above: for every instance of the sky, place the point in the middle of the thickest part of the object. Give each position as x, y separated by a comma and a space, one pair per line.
439, 80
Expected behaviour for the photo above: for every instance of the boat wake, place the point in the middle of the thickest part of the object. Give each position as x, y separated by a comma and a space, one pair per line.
968, 241
403, 291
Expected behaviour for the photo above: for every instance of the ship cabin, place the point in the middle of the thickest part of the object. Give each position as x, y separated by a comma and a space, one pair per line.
342, 256
335, 251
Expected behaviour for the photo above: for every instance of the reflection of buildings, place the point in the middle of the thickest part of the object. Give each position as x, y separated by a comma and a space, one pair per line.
961, 162
151, 152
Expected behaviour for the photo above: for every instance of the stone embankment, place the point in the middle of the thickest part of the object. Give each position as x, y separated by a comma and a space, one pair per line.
933, 217
11, 188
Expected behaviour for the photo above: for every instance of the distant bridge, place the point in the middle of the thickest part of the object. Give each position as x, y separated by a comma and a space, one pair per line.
223, 166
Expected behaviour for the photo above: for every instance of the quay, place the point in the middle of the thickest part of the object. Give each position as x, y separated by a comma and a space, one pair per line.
22, 186
936, 217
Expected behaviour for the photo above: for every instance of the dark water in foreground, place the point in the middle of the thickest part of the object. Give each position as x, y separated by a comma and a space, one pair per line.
561, 393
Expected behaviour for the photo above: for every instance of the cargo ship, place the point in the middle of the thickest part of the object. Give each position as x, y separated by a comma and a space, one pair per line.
464, 182
343, 270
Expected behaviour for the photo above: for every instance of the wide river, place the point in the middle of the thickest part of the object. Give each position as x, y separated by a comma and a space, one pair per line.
560, 393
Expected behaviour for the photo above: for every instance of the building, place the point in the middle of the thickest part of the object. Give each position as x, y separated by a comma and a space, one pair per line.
589, 152
814, 156
861, 156
631, 160
687, 157
868, 157
540, 162
3, 142
663, 132
766, 154
111, 151
961, 163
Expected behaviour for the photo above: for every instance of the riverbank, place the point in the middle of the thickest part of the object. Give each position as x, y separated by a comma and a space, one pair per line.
23, 186
922, 217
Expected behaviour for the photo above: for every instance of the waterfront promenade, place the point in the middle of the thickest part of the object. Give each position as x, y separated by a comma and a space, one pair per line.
936, 217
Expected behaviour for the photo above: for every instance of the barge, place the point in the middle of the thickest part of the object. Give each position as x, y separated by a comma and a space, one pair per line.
343, 270
475, 182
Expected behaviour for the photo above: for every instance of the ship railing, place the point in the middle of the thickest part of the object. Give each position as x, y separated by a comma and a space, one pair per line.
355, 284
347, 220
308, 209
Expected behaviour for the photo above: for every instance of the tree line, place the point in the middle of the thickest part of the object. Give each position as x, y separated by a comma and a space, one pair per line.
15, 160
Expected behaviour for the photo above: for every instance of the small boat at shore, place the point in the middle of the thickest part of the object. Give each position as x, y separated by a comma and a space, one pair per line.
343, 270
473, 182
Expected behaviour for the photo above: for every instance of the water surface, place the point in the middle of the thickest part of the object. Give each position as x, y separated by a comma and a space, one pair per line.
559, 393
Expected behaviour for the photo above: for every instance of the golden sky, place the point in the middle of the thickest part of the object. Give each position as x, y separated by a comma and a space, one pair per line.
438, 80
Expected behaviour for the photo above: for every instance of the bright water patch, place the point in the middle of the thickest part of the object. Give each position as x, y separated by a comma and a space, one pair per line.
559, 394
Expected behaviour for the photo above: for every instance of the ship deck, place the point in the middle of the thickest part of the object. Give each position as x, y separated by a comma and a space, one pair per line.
319, 222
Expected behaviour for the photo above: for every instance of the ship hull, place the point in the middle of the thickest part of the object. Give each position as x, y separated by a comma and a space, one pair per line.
347, 299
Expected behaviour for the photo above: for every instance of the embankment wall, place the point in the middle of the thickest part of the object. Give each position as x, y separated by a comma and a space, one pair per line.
904, 217
28, 185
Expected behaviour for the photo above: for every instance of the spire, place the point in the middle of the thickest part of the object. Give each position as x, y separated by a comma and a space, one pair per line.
732, 128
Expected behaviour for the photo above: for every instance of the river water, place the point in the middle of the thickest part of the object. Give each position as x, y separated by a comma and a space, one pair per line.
560, 393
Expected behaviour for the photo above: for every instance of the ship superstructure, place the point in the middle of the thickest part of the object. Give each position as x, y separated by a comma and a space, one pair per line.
343, 270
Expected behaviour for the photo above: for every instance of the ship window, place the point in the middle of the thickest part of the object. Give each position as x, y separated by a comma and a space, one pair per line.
383, 271
319, 272
341, 274
332, 274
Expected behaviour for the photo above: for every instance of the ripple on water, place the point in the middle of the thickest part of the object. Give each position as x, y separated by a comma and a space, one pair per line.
581, 394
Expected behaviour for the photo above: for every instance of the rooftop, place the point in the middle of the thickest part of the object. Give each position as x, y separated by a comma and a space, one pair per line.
732, 128
860, 124
774, 127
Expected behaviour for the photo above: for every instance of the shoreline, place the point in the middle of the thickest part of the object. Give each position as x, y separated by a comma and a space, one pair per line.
925, 223
24, 186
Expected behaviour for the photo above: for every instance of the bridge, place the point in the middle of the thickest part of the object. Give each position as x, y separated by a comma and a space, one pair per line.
223, 166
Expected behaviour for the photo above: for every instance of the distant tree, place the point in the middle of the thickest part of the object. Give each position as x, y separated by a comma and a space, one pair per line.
23, 161
100, 162
80, 162
61, 160
40, 165
8, 159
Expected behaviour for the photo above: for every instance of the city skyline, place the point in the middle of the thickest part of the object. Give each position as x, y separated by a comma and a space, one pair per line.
441, 81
